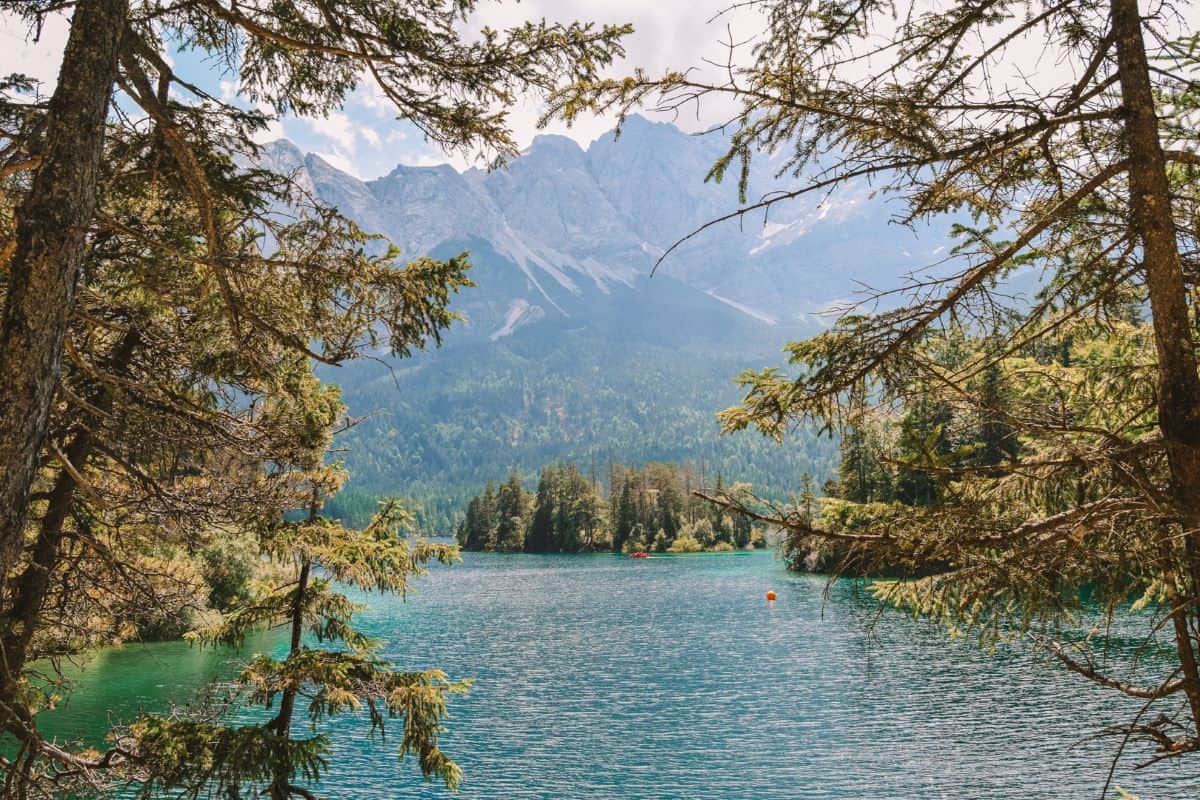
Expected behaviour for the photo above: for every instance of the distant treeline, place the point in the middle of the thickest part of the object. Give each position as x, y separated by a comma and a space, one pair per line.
650, 509
478, 412
434, 514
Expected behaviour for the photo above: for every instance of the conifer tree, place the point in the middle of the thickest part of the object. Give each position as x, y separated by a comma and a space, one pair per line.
670, 505
472, 531
297, 55
46, 250
189, 309
541, 538
743, 530
995, 439
625, 522
166, 419
578, 510
341, 673
924, 442
489, 515
1085, 171
862, 475
511, 514
563, 531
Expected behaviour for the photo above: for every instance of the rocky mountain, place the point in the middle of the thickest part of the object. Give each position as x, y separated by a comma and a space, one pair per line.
569, 349
571, 223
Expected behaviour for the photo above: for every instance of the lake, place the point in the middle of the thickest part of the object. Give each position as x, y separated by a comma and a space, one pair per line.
604, 677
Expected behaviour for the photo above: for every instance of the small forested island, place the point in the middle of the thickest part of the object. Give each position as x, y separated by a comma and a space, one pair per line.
651, 509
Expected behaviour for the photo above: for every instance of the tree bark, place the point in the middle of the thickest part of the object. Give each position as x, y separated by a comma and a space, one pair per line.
281, 788
283, 722
1178, 380
32, 585
49, 248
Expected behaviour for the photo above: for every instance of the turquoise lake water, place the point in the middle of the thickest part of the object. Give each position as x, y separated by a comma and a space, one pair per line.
601, 677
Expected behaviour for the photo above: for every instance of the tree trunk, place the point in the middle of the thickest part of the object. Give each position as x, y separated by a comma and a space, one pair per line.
29, 592
1178, 380
287, 702
50, 242
283, 722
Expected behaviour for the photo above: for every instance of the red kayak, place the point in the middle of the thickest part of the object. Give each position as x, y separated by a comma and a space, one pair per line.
639, 555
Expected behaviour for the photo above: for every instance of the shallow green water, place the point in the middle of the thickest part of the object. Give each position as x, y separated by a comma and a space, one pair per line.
602, 677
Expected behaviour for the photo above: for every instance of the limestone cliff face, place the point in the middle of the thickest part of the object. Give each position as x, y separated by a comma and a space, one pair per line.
561, 229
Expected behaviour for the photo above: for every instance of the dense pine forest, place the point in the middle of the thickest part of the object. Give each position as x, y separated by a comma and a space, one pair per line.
651, 509
543, 404
644, 386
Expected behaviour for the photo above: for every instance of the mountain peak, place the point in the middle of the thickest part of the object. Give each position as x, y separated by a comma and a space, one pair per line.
637, 126
283, 148
315, 163
637, 121
553, 145
408, 171
566, 219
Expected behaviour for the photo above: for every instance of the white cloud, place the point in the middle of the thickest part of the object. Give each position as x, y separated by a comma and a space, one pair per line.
40, 59
338, 161
273, 131
370, 96
668, 34
337, 127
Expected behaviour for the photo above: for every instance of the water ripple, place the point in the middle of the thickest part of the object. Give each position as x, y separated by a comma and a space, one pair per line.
601, 677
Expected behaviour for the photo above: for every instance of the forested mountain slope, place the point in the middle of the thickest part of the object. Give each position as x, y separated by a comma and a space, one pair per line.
568, 348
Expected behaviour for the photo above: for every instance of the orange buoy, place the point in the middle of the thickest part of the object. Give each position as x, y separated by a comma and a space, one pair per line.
771, 596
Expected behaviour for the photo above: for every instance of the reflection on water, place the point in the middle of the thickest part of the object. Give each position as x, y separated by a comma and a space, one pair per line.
602, 677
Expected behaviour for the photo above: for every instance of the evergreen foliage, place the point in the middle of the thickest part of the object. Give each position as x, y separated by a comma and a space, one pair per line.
342, 673
1081, 178
178, 438
639, 510
468, 414
163, 307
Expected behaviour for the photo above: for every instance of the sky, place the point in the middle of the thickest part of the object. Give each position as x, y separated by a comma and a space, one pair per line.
365, 139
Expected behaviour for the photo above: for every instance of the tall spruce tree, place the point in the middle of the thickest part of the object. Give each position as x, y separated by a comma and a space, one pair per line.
297, 55
488, 515
156, 309
995, 440
1085, 170
201, 756
541, 536
341, 671
670, 506
173, 434
625, 515
512, 511
46, 251
924, 444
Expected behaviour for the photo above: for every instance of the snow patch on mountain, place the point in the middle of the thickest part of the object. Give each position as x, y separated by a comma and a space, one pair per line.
520, 313
745, 309
580, 223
